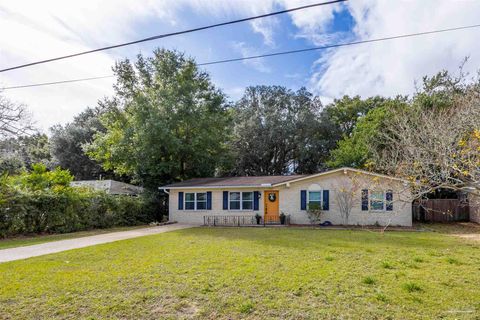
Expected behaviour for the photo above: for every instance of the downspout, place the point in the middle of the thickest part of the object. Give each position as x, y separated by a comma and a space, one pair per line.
164, 190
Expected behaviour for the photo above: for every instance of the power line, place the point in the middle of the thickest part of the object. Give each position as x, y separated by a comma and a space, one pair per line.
273, 54
165, 35
56, 82
340, 45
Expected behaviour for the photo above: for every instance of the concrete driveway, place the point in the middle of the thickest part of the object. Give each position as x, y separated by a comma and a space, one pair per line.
63, 245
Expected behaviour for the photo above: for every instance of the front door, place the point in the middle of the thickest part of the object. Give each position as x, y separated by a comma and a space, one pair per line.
271, 204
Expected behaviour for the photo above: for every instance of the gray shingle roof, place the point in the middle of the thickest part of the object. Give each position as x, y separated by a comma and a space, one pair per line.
254, 181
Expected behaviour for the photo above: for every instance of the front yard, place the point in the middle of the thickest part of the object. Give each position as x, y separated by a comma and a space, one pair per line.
251, 273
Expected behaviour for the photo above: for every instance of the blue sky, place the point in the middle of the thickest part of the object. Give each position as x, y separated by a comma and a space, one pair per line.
40, 30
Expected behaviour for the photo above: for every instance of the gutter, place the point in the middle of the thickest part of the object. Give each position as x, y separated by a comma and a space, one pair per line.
164, 190
218, 187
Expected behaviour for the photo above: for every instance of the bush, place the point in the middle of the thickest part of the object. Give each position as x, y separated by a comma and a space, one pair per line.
314, 213
43, 202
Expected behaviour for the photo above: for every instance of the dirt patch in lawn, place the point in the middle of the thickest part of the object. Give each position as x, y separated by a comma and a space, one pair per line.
464, 230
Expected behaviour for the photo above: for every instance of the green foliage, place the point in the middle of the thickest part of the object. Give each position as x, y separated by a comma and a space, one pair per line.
345, 112
369, 280
66, 145
314, 213
277, 130
166, 122
353, 150
412, 287
42, 201
20, 153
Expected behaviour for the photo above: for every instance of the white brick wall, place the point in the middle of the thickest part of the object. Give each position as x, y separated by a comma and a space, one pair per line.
289, 198
196, 216
400, 216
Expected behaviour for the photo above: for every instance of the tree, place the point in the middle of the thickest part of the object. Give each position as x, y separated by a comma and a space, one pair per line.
353, 150
20, 153
347, 111
434, 148
66, 145
166, 121
346, 193
14, 119
277, 131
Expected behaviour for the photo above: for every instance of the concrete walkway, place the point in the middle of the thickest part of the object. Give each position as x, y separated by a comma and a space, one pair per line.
63, 245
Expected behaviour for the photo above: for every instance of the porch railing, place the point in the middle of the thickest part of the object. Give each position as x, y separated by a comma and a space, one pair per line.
242, 220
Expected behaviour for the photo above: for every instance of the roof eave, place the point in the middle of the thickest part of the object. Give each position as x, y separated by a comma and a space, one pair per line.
217, 187
338, 170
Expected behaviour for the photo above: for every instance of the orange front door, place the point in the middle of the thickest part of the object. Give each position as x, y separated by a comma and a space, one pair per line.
271, 203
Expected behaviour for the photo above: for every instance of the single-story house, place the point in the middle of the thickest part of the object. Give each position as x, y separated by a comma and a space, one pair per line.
345, 196
109, 186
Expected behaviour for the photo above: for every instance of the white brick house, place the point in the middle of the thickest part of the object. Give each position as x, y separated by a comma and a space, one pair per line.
373, 198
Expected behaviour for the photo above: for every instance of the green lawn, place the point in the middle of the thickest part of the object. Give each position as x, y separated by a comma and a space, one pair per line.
21, 241
256, 273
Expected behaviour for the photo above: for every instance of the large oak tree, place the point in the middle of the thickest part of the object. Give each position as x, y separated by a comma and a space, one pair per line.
166, 122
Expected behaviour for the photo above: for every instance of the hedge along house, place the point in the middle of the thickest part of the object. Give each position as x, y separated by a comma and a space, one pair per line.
345, 195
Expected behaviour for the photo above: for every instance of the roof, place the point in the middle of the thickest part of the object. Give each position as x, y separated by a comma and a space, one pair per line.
261, 181
344, 169
251, 181
109, 186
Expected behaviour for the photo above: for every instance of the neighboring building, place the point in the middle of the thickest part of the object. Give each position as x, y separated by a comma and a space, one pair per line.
109, 186
371, 198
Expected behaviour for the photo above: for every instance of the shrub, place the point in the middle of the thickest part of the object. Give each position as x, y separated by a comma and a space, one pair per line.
43, 202
314, 213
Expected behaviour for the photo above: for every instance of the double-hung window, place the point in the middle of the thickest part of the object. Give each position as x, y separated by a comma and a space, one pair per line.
195, 201
314, 199
377, 200
241, 201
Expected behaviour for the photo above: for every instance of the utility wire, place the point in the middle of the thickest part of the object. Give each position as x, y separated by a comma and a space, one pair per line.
275, 53
165, 35
340, 45
56, 82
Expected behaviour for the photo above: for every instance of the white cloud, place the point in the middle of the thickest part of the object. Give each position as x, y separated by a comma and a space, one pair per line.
36, 30
391, 67
246, 51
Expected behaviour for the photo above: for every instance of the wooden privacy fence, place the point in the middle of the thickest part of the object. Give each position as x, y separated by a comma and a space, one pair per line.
440, 210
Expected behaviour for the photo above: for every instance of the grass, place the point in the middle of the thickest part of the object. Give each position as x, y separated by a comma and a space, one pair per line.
21, 241
250, 273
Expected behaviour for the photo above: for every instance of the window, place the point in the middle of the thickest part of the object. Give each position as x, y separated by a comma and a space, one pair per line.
196, 201
377, 200
234, 200
314, 199
247, 200
201, 201
189, 201
241, 201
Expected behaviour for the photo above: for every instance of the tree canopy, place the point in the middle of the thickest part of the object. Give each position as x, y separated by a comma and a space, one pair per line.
277, 131
66, 145
166, 122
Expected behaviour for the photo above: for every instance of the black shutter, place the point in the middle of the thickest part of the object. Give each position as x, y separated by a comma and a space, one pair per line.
365, 200
256, 195
180, 201
209, 200
225, 200
303, 199
389, 198
326, 200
